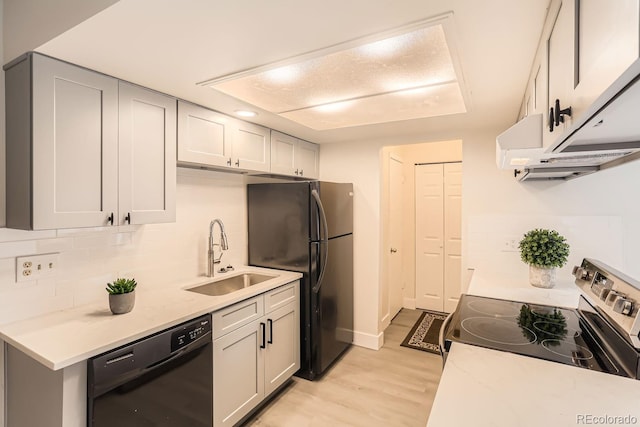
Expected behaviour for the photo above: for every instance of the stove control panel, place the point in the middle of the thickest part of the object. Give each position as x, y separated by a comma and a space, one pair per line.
614, 293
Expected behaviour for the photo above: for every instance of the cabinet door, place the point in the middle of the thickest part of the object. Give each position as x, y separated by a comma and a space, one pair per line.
147, 156
307, 159
75, 145
561, 78
251, 148
238, 373
204, 136
283, 148
282, 355
607, 46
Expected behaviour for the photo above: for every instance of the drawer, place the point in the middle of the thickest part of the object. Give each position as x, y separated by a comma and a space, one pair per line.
281, 296
239, 314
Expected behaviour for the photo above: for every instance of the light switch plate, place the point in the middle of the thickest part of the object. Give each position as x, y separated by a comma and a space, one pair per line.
34, 267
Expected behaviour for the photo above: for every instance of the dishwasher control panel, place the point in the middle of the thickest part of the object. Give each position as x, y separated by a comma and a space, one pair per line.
190, 332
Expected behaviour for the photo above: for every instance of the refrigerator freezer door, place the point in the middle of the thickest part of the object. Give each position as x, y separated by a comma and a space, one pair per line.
337, 200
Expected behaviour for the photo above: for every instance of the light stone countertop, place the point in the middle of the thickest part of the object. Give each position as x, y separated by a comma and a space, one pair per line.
488, 388
62, 338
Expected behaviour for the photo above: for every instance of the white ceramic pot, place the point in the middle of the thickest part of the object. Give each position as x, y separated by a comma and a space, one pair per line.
122, 303
542, 277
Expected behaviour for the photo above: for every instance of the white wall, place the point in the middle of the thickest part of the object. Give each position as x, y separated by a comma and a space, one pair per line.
31, 23
155, 254
359, 163
599, 214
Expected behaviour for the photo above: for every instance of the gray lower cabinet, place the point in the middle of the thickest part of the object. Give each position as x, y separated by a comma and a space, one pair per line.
257, 356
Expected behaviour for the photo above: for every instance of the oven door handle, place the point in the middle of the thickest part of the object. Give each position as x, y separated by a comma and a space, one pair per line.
443, 331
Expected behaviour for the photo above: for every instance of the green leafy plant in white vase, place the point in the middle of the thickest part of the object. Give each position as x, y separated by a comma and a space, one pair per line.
544, 250
122, 295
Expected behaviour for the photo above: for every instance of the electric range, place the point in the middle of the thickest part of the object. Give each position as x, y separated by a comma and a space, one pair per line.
602, 334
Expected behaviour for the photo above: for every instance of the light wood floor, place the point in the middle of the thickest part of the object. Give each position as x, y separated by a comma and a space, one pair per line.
393, 386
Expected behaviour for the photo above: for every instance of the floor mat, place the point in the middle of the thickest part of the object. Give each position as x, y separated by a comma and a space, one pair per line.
424, 334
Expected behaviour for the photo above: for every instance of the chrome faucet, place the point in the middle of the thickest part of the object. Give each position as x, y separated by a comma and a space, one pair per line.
224, 245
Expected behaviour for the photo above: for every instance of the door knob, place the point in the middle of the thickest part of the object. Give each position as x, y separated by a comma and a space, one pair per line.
394, 250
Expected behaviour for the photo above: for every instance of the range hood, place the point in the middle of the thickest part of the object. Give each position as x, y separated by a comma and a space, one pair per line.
607, 135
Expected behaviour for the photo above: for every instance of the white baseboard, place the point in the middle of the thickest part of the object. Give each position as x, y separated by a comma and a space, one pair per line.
409, 303
373, 342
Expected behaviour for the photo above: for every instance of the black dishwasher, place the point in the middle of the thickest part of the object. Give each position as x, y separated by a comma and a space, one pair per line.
164, 380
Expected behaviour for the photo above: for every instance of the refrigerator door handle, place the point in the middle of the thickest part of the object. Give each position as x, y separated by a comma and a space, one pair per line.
325, 240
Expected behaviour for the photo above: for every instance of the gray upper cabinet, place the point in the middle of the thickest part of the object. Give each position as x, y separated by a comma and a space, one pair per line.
210, 139
147, 156
66, 167
62, 145
560, 65
204, 136
293, 156
251, 147
607, 43
585, 47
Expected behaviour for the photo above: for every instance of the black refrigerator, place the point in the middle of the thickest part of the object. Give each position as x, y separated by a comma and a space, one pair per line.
307, 227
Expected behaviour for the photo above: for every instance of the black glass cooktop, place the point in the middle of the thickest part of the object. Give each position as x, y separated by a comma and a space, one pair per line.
544, 332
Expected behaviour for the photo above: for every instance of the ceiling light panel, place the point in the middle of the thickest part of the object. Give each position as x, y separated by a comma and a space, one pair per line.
431, 101
359, 81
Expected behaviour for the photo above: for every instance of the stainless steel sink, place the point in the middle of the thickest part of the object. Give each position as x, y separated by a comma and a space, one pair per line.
230, 284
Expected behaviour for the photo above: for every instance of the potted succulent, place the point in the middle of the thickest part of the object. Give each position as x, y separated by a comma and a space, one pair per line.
122, 295
544, 251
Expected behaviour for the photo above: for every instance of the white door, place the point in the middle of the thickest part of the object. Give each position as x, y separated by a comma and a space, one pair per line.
75, 146
429, 185
438, 236
395, 275
147, 156
452, 235
204, 136
251, 147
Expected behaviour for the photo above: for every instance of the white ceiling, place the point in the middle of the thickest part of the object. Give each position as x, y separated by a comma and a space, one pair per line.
170, 45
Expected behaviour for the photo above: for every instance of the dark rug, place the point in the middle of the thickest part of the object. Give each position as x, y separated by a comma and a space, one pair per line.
424, 334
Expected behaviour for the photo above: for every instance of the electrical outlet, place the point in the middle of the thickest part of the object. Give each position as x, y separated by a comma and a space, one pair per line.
510, 244
34, 267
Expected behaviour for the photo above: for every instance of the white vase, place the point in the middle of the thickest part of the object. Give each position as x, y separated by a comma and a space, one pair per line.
122, 303
542, 277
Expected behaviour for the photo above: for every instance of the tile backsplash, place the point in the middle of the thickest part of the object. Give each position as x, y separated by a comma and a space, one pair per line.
155, 254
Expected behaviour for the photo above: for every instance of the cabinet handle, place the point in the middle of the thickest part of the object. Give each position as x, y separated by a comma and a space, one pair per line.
559, 114
128, 218
296, 172
229, 162
270, 322
263, 328
301, 173
551, 119
110, 219
238, 163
